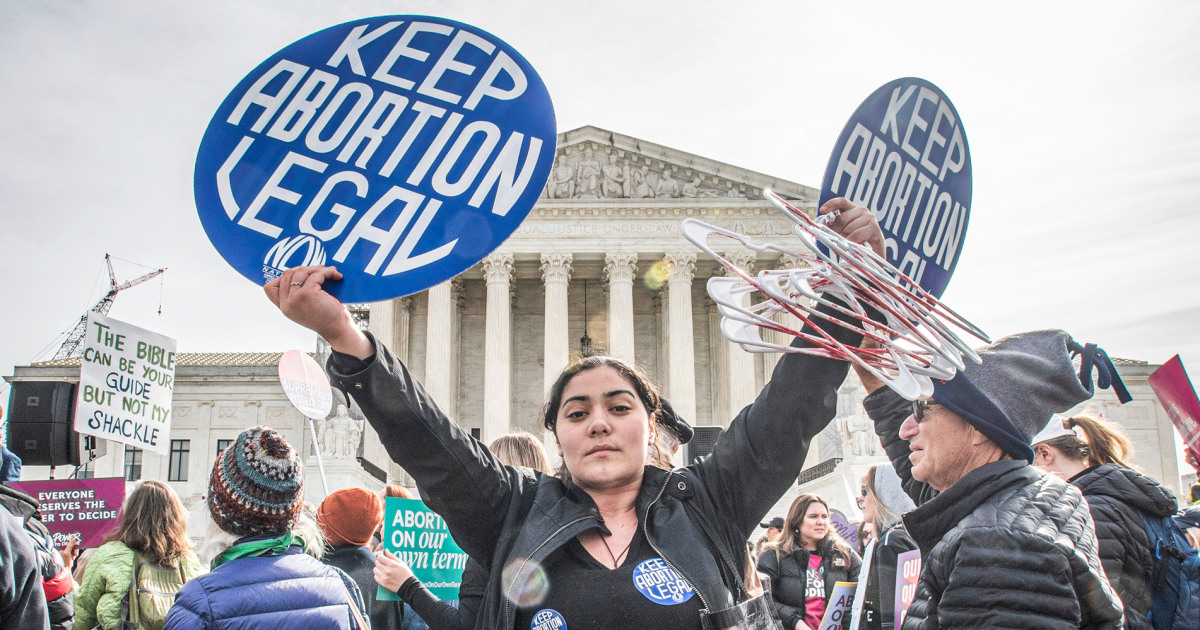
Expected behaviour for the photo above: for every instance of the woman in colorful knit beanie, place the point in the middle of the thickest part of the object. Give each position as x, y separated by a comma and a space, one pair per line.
264, 580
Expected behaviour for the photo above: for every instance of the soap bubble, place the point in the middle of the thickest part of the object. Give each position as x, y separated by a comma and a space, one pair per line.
525, 582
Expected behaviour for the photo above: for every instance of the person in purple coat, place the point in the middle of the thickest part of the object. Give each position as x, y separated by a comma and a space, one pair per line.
263, 579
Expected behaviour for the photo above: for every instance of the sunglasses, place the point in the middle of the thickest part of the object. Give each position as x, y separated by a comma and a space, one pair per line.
920, 407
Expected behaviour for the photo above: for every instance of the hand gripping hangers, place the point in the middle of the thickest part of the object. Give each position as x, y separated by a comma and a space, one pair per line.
914, 333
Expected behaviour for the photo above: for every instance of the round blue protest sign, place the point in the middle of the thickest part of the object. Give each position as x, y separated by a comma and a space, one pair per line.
659, 583
904, 155
402, 149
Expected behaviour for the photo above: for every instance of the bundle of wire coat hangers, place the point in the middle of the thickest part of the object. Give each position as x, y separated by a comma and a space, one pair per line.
915, 332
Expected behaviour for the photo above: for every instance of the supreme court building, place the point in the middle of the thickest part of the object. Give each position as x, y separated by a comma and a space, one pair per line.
598, 266
599, 262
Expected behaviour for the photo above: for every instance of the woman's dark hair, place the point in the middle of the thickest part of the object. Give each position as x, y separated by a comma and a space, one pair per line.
643, 386
154, 523
1104, 442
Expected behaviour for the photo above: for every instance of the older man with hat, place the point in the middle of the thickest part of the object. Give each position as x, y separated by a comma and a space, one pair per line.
1003, 545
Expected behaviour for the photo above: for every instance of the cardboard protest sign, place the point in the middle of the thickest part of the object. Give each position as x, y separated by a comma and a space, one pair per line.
419, 536
305, 384
402, 149
860, 594
904, 155
838, 606
908, 573
1174, 390
83, 509
125, 385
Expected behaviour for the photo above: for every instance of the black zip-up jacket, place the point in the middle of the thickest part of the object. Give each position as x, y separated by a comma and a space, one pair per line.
500, 514
1006, 546
789, 577
1117, 497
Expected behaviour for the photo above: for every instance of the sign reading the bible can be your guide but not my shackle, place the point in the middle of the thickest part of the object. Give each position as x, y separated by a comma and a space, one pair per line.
125, 385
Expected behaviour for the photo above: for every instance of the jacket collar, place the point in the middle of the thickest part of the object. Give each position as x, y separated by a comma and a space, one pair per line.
932, 519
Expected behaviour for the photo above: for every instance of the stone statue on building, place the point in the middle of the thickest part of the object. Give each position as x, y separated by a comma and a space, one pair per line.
341, 435
587, 178
616, 180
640, 183
562, 181
667, 186
860, 432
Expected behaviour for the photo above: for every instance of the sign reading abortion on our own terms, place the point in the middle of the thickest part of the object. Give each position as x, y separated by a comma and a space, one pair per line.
904, 155
83, 509
402, 149
420, 537
125, 385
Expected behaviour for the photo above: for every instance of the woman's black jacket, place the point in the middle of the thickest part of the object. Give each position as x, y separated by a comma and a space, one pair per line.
502, 515
789, 577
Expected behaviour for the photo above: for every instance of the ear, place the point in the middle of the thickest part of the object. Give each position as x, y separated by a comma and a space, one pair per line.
653, 432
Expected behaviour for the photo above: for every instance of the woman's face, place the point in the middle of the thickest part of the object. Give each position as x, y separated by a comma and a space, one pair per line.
815, 524
868, 506
603, 430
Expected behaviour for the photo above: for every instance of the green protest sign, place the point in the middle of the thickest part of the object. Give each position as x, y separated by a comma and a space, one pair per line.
419, 536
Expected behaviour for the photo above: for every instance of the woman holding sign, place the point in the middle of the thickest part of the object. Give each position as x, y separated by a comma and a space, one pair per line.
621, 544
805, 563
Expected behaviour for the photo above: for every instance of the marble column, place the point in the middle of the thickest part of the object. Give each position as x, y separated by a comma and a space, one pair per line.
497, 351
439, 348
739, 363
682, 370
556, 276
381, 322
619, 269
401, 325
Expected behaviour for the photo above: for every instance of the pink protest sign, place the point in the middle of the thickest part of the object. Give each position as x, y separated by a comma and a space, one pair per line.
908, 572
85, 509
1174, 390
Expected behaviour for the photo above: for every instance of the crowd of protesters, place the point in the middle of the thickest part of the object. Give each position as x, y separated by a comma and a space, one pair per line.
1019, 523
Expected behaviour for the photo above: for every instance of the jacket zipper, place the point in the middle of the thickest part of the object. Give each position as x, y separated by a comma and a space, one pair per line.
646, 533
521, 569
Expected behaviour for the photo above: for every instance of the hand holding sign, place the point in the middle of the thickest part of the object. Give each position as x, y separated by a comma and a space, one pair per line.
301, 296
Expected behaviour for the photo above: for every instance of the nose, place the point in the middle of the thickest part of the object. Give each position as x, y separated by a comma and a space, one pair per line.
909, 429
599, 423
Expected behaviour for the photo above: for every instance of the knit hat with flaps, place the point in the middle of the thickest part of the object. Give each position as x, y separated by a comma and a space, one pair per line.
1021, 382
350, 516
257, 484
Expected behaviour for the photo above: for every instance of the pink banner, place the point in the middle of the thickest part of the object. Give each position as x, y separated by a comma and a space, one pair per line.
908, 572
1174, 390
85, 509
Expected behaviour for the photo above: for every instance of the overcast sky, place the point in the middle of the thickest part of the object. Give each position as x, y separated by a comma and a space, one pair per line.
1081, 119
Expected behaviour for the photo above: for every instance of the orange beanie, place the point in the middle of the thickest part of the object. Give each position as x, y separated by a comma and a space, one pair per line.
350, 516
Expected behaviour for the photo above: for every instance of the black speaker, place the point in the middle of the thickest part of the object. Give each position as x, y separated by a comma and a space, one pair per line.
41, 418
701, 444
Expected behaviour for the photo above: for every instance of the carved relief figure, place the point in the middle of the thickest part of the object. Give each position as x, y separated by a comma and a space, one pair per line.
587, 182
640, 183
616, 180
732, 193
562, 181
862, 435
692, 190
667, 186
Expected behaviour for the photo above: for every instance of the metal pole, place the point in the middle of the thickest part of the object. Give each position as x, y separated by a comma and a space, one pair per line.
312, 427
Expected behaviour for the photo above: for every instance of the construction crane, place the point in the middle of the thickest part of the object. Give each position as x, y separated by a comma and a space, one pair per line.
73, 346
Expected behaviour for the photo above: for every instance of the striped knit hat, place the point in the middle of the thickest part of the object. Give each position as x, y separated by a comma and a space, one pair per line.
257, 485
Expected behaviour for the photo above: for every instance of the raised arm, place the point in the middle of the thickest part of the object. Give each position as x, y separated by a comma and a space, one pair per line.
460, 478
760, 455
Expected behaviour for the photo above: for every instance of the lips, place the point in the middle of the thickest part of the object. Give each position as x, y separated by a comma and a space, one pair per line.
601, 448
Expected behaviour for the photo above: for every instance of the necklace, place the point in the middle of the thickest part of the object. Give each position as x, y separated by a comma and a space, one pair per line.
617, 559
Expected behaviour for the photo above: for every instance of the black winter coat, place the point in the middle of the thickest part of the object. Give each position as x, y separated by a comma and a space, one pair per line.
789, 578
1005, 547
501, 515
879, 603
358, 562
1117, 497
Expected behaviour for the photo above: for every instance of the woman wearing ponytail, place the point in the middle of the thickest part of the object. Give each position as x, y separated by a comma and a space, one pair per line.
1093, 454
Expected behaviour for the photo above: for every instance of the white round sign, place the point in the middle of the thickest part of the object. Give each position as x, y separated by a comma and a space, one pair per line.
305, 384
